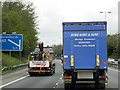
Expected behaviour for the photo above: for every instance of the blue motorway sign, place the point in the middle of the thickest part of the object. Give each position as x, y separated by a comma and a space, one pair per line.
11, 42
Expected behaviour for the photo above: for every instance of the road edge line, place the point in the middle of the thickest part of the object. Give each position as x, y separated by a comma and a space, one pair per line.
13, 81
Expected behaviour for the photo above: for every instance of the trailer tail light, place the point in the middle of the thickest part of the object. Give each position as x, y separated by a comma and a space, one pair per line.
65, 63
103, 77
97, 60
67, 77
72, 60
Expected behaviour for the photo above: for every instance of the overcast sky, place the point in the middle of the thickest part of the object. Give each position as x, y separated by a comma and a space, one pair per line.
51, 14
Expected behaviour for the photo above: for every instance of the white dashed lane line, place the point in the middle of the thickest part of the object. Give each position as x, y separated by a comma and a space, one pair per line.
57, 82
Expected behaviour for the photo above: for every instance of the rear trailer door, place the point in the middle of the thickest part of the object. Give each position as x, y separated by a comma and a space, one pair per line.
84, 51
81, 48
84, 42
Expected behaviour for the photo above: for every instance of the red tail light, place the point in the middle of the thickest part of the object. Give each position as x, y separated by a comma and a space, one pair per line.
67, 77
103, 76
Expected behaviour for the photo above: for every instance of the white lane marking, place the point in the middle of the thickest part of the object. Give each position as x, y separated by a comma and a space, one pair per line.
60, 78
56, 84
106, 84
13, 81
113, 69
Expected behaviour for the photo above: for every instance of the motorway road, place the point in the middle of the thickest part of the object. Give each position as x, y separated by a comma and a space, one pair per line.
54, 81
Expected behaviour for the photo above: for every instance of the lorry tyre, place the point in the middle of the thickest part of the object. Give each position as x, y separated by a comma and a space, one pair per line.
51, 72
102, 85
31, 74
54, 70
96, 85
66, 86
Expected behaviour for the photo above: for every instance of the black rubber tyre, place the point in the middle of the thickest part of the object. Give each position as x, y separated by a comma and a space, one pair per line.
51, 72
31, 74
54, 70
66, 86
102, 85
96, 86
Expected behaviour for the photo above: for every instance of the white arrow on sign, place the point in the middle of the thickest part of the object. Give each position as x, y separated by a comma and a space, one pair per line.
15, 43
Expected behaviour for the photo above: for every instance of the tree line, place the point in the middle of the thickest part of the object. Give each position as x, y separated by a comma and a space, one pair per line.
58, 49
20, 17
113, 46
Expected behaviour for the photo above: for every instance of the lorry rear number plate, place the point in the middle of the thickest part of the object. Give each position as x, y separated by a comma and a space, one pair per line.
85, 75
39, 63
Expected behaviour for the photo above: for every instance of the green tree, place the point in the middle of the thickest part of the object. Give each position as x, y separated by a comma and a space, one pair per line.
58, 49
118, 46
113, 44
20, 17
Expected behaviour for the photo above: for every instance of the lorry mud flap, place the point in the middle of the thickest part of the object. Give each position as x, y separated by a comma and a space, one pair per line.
73, 78
96, 85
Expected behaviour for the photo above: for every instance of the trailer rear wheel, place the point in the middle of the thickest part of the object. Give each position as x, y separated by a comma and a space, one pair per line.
31, 74
51, 72
96, 85
102, 85
54, 70
66, 86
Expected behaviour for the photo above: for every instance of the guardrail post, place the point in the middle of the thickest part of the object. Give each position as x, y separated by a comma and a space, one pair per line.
10, 53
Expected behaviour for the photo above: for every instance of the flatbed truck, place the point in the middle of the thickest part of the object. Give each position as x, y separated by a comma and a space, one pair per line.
41, 61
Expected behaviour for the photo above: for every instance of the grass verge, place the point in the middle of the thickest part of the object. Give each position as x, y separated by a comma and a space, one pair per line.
8, 61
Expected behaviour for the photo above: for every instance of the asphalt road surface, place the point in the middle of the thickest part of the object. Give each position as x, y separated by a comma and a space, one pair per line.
23, 80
